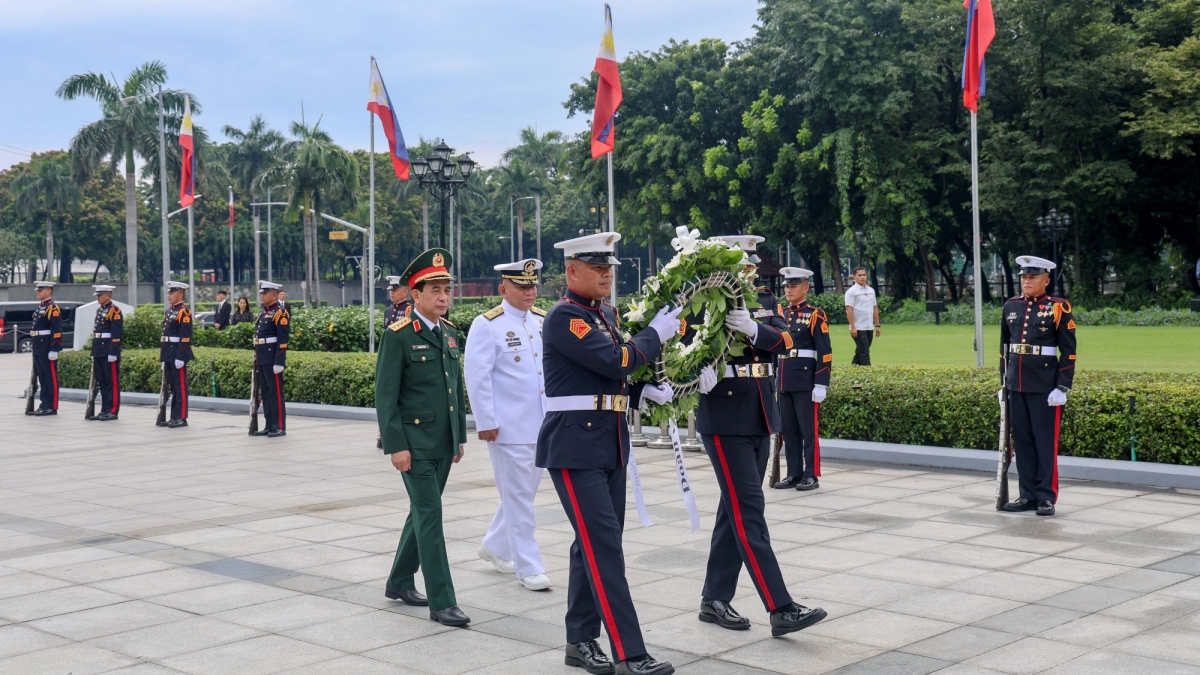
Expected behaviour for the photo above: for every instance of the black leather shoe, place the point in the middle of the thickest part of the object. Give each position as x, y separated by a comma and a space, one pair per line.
589, 656
808, 484
722, 614
794, 617
786, 483
30, 412
260, 432
106, 417
1045, 508
451, 616
277, 434
175, 424
409, 597
1019, 505
162, 424
644, 665
43, 413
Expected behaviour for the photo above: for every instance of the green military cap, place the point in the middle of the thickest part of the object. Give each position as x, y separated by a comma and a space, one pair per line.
432, 265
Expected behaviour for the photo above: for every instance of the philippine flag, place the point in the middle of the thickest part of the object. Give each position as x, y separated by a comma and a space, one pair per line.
981, 30
187, 176
608, 92
381, 104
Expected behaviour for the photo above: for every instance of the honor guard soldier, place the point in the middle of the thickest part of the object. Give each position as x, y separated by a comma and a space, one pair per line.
401, 306
1037, 366
803, 379
47, 342
421, 408
107, 334
585, 445
175, 351
735, 419
270, 357
507, 393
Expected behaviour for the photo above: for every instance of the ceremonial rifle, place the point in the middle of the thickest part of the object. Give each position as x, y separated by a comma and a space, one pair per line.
1005, 457
33, 385
255, 395
162, 397
93, 388
776, 448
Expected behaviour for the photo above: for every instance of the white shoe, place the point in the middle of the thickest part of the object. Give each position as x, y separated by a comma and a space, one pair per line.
537, 582
502, 566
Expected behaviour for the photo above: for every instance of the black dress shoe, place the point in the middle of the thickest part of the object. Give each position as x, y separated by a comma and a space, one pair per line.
162, 424
106, 417
786, 483
722, 614
589, 656
30, 412
644, 665
1045, 508
276, 434
451, 616
409, 597
1019, 505
808, 484
175, 424
47, 411
794, 617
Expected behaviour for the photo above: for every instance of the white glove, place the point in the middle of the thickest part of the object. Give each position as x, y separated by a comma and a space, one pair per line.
666, 322
112, 359
708, 379
277, 369
739, 320
818, 393
1056, 398
178, 364
53, 356
659, 393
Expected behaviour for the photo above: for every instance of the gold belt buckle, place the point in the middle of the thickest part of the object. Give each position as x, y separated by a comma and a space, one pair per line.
1023, 350
613, 402
760, 370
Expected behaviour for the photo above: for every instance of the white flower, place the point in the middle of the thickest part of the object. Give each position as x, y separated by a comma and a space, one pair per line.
653, 285
673, 264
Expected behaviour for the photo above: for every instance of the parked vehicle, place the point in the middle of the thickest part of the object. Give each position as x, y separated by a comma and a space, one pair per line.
16, 320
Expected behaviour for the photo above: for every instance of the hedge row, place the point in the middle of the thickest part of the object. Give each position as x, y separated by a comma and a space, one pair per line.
963, 313
947, 407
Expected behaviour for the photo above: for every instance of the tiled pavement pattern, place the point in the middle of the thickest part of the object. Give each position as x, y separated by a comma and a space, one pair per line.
127, 548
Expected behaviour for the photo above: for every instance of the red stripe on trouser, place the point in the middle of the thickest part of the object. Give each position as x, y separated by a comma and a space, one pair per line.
817, 440
1057, 429
54, 381
183, 392
116, 390
279, 400
593, 571
741, 529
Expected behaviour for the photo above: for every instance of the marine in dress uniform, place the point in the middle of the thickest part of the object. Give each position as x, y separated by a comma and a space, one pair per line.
735, 420
107, 333
47, 342
507, 393
271, 331
401, 305
421, 408
584, 443
175, 351
1037, 366
803, 379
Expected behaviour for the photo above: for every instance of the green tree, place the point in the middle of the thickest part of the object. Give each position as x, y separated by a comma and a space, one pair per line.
47, 187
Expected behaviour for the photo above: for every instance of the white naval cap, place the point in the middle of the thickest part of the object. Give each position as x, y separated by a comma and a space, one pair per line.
177, 286
394, 282
522, 273
1031, 264
264, 285
795, 275
596, 249
97, 289
748, 243
44, 284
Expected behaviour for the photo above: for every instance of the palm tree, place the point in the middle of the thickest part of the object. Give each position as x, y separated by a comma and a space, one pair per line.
129, 121
519, 179
256, 150
545, 151
47, 185
318, 172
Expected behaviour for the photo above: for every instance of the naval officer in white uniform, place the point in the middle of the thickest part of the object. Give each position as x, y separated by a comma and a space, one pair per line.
508, 394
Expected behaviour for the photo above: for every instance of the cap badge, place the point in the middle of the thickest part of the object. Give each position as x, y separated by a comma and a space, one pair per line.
530, 267
438, 260
610, 240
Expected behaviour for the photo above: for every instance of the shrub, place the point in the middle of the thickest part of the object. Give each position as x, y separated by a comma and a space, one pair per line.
834, 304
963, 313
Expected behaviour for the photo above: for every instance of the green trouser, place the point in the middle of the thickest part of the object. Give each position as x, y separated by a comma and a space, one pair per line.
422, 544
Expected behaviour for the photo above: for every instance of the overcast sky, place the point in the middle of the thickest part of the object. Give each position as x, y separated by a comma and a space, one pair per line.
473, 71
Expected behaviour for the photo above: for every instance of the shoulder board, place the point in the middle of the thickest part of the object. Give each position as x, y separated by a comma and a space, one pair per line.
447, 322
493, 312
280, 316
1066, 304
539, 312
820, 313
183, 312
400, 324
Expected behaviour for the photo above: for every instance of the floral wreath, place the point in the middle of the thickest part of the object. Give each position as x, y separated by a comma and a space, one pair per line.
708, 279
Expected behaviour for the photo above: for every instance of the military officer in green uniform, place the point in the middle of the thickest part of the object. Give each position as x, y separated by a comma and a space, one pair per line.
420, 404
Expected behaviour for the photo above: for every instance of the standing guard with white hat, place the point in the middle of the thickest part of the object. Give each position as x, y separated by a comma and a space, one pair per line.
507, 392
803, 379
401, 306
270, 357
1037, 367
47, 342
107, 334
175, 351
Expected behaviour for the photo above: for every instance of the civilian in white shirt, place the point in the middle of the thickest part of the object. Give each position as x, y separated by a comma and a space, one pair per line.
863, 314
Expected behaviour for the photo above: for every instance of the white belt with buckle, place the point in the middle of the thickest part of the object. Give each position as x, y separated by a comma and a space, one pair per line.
1032, 350
264, 341
102, 336
613, 402
756, 370
39, 332
800, 353
169, 339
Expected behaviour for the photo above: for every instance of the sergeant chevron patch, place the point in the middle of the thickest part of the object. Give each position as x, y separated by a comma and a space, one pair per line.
579, 328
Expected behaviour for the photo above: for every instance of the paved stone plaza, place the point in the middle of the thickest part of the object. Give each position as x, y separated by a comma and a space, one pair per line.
127, 548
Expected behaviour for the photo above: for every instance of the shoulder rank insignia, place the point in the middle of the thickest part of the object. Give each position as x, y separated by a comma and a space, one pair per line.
447, 322
537, 311
579, 328
493, 312
400, 324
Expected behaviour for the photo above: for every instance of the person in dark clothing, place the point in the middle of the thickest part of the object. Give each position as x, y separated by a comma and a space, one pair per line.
242, 314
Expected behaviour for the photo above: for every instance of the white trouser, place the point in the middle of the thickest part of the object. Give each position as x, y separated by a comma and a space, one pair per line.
511, 533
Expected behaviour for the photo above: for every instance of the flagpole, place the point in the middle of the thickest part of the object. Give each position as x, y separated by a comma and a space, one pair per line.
612, 218
166, 230
231, 279
191, 273
371, 237
975, 233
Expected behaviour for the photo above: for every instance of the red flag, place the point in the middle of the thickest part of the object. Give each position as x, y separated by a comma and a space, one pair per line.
187, 178
981, 30
608, 93
231, 208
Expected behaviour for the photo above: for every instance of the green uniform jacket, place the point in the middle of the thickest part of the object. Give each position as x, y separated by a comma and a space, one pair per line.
419, 393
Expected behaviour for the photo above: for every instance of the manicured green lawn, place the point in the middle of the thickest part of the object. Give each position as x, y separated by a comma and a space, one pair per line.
1162, 348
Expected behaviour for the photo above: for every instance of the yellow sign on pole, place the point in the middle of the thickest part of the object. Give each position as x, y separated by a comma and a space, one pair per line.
337, 235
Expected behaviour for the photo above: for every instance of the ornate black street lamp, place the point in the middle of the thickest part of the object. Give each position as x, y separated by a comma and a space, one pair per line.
1054, 225
438, 176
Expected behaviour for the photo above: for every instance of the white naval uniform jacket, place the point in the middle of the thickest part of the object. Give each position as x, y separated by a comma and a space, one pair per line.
504, 373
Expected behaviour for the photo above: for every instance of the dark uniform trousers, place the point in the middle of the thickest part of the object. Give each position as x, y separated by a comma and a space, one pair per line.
108, 379
272, 397
177, 390
424, 482
47, 373
800, 418
862, 348
740, 532
1035, 430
